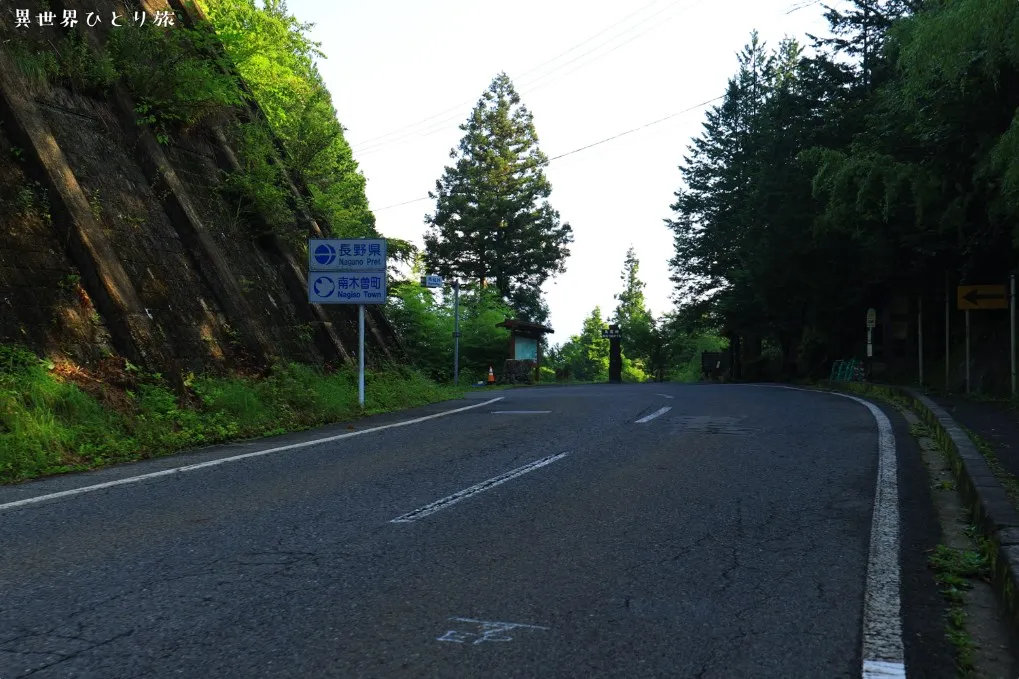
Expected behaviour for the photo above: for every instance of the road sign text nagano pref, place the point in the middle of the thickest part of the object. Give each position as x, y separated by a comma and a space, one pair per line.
347, 270
347, 254
980, 297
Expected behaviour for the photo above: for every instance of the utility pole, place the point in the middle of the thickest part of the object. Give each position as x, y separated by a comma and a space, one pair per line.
948, 335
456, 332
919, 335
967, 350
360, 355
1011, 298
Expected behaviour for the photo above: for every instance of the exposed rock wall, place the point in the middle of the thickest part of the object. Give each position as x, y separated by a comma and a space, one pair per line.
113, 243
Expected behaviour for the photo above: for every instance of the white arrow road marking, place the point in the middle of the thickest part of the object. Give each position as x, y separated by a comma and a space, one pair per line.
660, 411
665, 396
489, 631
449, 500
234, 458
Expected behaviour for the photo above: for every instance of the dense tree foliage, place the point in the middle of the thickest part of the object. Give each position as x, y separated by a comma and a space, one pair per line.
887, 160
249, 56
586, 356
492, 221
636, 324
276, 59
425, 323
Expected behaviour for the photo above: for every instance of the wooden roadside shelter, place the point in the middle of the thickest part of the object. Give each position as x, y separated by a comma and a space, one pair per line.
524, 360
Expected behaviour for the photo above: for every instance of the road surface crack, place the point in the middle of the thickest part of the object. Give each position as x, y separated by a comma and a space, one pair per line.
75, 654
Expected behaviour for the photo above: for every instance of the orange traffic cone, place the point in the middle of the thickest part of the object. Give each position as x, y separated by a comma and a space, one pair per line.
491, 375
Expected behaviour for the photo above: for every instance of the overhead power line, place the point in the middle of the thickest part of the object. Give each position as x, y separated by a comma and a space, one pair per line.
531, 87
458, 108
803, 5
596, 35
445, 124
636, 129
416, 131
584, 148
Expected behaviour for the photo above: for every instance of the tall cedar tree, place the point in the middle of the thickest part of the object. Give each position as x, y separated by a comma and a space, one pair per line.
492, 221
715, 221
882, 163
747, 256
635, 322
586, 355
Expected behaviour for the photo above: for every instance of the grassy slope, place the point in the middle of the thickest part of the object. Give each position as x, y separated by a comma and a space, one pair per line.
58, 418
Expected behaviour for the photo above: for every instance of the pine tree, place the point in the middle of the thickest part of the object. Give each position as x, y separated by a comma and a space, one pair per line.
635, 322
586, 356
492, 221
860, 32
716, 217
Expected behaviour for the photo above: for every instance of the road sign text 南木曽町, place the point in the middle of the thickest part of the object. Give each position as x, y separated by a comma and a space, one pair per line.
347, 271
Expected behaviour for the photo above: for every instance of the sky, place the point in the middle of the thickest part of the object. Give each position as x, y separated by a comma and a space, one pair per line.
405, 74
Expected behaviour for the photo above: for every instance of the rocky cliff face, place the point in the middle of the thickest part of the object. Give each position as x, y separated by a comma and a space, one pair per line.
115, 243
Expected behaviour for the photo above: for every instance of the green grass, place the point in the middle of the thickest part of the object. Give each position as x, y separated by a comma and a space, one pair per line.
953, 570
49, 425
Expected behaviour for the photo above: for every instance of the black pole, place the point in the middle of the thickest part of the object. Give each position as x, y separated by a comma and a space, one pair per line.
615, 356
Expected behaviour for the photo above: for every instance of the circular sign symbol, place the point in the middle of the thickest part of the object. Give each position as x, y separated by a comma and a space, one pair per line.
324, 286
325, 254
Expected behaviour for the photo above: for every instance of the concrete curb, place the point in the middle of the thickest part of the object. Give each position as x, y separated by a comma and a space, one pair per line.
993, 511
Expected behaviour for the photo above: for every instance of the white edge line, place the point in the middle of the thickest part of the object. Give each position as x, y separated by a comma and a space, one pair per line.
882, 611
460, 495
234, 458
648, 418
880, 669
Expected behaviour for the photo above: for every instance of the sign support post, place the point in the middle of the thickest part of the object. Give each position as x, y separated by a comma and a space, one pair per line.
919, 334
967, 351
871, 324
434, 281
1012, 328
348, 271
615, 353
456, 332
360, 354
948, 336
980, 297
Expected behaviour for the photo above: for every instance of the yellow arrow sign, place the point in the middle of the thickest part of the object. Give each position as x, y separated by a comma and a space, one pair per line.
982, 297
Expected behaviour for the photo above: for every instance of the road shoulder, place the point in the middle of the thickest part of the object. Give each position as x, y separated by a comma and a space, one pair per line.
212, 454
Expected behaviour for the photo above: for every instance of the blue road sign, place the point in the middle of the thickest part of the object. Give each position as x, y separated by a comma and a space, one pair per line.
347, 254
361, 287
324, 254
431, 281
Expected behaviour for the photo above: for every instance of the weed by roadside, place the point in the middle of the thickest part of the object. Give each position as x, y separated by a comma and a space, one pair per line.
954, 570
58, 418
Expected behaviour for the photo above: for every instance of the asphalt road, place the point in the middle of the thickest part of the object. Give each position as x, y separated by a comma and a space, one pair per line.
726, 537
